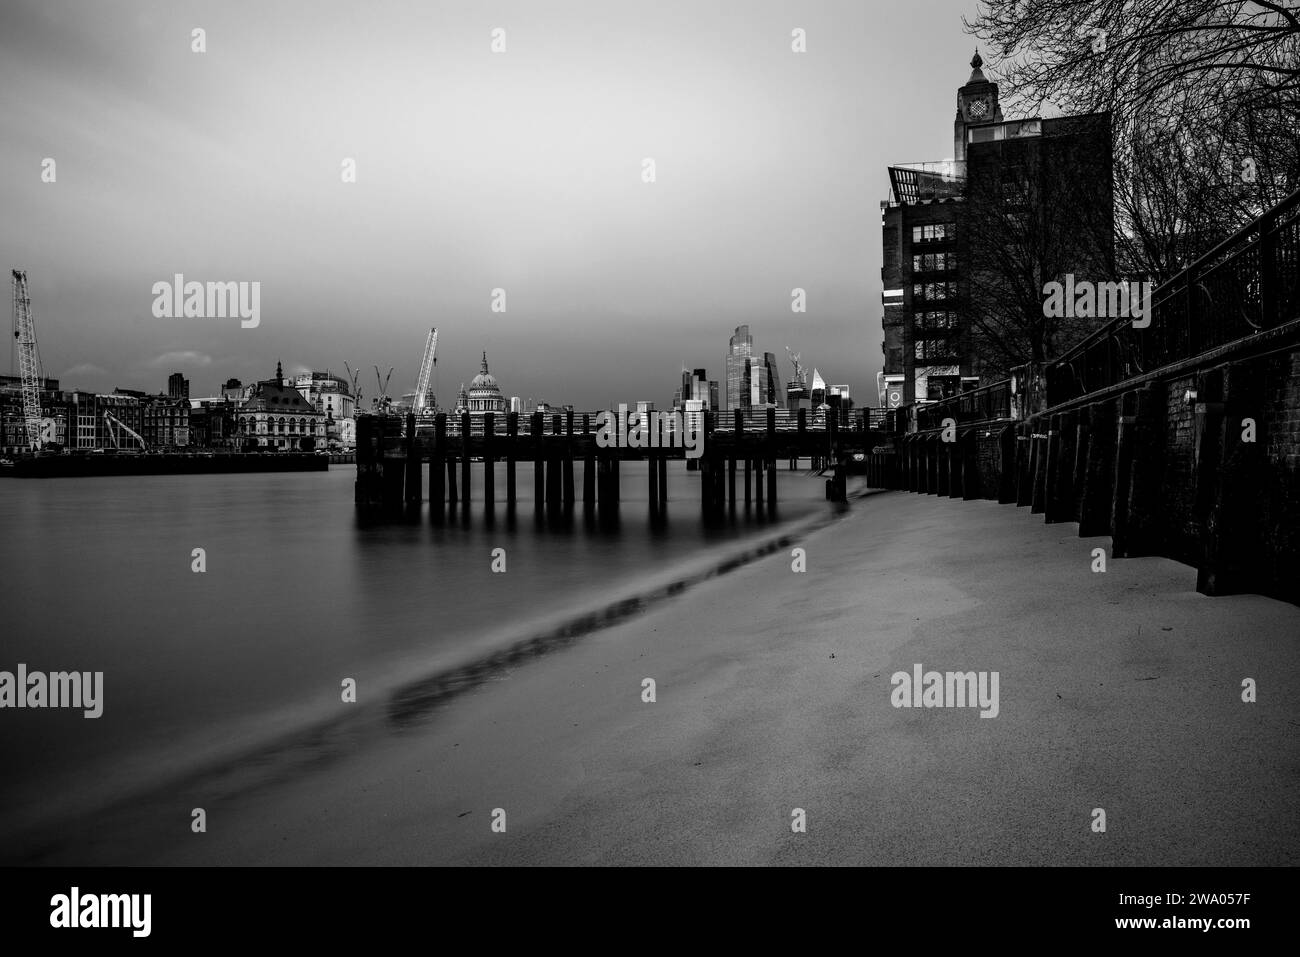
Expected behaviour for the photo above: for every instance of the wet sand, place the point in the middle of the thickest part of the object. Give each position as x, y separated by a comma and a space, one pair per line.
1119, 690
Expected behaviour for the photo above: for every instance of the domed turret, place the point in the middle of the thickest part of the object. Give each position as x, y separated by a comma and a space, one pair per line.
484, 393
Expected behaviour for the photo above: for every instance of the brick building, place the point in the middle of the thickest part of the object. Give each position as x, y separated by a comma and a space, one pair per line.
967, 240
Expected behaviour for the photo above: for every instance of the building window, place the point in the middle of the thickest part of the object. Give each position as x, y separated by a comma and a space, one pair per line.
931, 351
934, 262
933, 291
934, 233
938, 319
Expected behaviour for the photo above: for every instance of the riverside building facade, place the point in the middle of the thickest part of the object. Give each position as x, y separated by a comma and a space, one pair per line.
1031, 196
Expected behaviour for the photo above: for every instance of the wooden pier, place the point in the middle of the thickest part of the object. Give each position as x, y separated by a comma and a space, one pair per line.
392, 450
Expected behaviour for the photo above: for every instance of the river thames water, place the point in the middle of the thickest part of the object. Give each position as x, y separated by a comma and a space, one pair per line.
299, 593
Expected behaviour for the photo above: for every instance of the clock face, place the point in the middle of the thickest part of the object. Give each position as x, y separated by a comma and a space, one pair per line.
979, 108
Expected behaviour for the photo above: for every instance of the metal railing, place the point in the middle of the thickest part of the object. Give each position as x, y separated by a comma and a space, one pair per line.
1247, 284
992, 401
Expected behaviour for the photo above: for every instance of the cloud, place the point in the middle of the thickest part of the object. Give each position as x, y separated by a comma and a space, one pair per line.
186, 358
83, 368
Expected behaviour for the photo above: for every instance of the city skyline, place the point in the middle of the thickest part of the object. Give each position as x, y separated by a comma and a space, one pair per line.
496, 184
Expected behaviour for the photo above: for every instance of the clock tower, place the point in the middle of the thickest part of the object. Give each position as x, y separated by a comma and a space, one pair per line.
977, 102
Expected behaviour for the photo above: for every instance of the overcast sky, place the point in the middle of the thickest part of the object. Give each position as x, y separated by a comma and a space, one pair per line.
519, 170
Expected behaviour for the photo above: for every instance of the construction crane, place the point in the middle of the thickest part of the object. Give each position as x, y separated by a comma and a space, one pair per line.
800, 373
383, 401
114, 423
421, 401
29, 359
356, 385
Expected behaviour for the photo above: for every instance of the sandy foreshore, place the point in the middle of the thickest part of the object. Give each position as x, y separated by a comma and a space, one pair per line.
1119, 691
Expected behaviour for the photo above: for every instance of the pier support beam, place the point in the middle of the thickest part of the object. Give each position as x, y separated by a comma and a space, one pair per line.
1230, 475
972, 486
414, 478
1024, 465
489, 463
1136, 522
1038, 454
1095, 497
943, 462
770, 452
512, 437
466, 430
1059, 503
539, 463
1080, 466
369, 486
568, 459
437, 480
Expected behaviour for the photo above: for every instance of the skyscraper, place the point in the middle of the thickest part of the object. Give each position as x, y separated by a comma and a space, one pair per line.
696, 395
178, 387
752, 382
740, 348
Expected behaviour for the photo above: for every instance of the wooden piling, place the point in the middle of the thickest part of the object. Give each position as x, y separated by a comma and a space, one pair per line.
437, 480
539, 463
489, 462
770, 452
568, 459
414, 479
1099, 469
1234, 554
512, 441
466, 430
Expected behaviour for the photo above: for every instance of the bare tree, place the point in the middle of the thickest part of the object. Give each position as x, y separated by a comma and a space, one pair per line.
1034, 211
1205, 96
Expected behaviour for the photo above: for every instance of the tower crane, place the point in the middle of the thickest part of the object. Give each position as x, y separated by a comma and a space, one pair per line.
800, 373
356, 385
383, 401
421, 401
114, 423
29, 359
